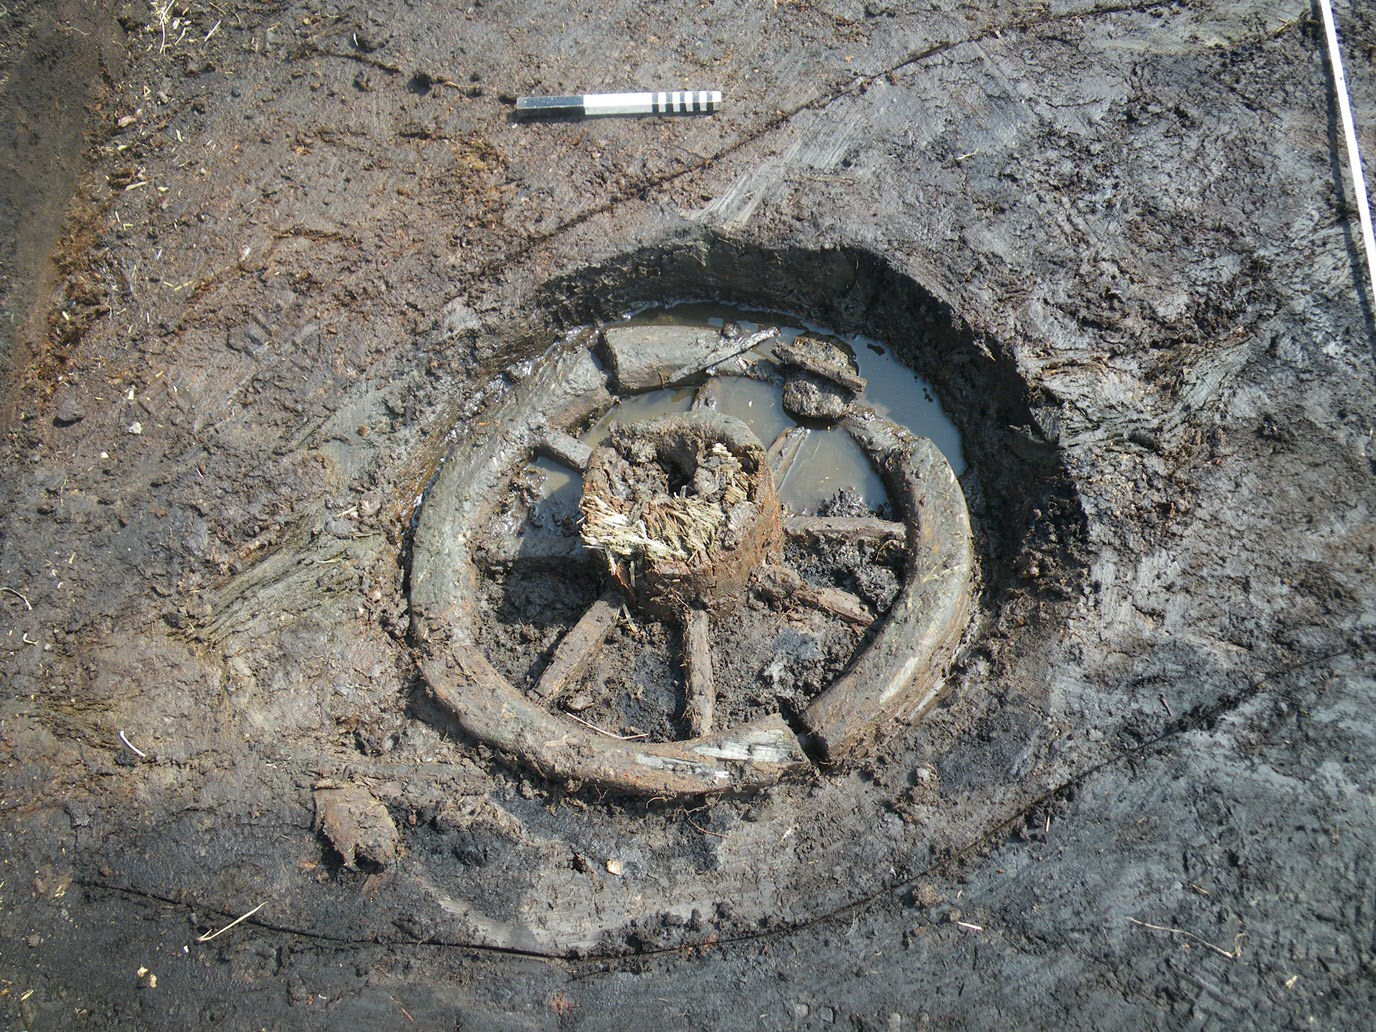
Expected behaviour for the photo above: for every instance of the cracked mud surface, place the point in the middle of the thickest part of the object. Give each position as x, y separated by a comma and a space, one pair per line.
242, 318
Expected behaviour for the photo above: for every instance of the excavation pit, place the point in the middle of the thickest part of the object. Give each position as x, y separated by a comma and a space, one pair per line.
720, 641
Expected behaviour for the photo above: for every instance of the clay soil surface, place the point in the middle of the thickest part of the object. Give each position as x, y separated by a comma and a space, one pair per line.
263, 264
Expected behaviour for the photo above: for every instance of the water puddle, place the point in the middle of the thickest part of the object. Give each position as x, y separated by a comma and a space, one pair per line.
637, 407
828, 460
557, 494
894, 390
757, 403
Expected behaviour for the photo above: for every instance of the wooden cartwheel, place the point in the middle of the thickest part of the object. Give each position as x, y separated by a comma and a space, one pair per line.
900, 675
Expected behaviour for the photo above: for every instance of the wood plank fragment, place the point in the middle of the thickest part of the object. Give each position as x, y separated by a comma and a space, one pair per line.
574, 654
644, 358
783, 585
798, 355
857, 528
566, 449
700, 694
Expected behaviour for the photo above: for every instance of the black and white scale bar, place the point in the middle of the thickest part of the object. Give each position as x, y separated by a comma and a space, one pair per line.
674, 102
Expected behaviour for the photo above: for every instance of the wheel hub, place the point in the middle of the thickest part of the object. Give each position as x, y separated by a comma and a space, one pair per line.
684, 510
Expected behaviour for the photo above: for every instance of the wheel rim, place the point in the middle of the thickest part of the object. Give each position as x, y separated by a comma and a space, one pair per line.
900, 675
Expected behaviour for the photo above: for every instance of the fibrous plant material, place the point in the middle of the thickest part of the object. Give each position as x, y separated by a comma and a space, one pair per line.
649, 524
682, 509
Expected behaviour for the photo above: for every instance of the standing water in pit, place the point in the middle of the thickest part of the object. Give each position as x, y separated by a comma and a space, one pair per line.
826, 461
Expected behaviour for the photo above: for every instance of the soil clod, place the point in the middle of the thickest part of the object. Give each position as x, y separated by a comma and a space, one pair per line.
358, 827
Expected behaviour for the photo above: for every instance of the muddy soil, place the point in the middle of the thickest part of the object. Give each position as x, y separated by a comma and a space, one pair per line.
265, 263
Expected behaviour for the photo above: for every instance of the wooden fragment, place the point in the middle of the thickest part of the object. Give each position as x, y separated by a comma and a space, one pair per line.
700, 695
574, 654
799, 356
782, 584
566, 449
857, 528
356, 824
842, 603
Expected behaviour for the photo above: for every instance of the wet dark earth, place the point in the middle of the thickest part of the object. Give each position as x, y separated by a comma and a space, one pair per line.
268, 269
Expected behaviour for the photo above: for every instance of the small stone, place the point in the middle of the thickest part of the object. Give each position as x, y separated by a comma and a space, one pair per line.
340, 527
615, 867
579, 703
136, 428
926, 895
69, 410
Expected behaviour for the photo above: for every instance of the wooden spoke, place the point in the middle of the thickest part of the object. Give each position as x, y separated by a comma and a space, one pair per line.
784, 452
700, 692
780, 584
574, 654
540, 552
706, 396
857, 528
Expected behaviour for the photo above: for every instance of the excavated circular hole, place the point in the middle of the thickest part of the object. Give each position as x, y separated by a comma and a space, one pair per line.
520, 597
495, 594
